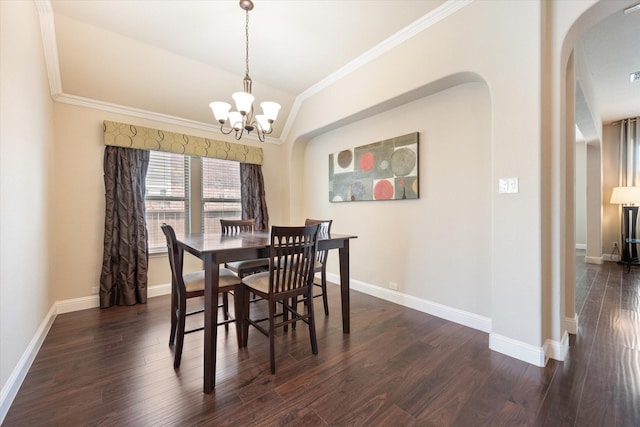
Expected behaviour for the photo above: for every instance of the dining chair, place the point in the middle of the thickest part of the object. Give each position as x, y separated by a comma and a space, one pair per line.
191, 285
324, 230
292, 255
242, 268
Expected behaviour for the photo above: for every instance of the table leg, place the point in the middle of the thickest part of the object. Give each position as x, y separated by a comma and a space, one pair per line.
344, 286
211, 278
238, 312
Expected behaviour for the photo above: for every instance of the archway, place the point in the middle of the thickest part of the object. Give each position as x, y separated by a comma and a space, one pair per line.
574, 84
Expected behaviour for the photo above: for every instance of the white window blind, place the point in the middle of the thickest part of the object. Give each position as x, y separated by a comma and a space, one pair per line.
167, 196
221, 195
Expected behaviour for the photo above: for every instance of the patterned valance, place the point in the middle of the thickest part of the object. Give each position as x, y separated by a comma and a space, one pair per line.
125, 135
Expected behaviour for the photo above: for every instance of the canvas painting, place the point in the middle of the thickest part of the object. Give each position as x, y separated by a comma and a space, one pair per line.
385, 170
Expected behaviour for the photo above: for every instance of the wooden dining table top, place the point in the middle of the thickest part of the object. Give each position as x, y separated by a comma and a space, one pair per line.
216, 242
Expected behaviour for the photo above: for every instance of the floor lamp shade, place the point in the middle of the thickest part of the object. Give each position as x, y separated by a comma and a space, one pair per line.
627, 197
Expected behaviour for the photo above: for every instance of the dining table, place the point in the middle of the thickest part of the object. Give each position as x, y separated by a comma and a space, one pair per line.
215, 249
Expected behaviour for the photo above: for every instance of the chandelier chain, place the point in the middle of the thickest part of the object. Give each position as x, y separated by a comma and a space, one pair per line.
246, 32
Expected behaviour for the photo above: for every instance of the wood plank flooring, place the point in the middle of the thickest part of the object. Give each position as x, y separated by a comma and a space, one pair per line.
398, 367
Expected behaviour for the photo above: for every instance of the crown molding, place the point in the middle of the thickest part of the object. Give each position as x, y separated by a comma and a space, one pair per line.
48, 30
79, 101
48, 33
47, 27
436, 15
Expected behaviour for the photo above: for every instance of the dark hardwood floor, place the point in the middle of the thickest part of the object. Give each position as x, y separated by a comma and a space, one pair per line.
398, 367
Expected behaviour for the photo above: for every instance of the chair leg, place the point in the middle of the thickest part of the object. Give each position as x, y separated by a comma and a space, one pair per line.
285, 313
324, 291
174, 313
246, 311
238, 312
272, 342
294, 307
225, 309
182, 310
312, 322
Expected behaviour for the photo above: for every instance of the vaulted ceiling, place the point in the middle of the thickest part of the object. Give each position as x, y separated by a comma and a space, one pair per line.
611, 50
174, 57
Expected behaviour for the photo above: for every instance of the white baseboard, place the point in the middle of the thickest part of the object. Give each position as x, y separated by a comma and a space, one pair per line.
76, 304
581, 246
571, 324
532, 354
461, 317
609, 257
557, 350
517, 349
93, 301
158, 290
11, 387
594, 259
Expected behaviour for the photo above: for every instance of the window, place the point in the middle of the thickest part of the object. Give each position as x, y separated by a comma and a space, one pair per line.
221, 195
167, 196
190, 194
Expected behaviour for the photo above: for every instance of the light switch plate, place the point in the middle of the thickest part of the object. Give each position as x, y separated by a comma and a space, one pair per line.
508, 185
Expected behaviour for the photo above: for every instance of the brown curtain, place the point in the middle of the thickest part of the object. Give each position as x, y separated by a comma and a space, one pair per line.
124, 265
253, 201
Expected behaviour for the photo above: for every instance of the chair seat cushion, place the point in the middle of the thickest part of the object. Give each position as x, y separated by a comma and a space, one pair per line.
258, 282
195, 281
249, 264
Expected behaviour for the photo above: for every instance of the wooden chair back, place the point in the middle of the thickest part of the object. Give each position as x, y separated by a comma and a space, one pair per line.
324, 230
292, 259
235, 226
176, 259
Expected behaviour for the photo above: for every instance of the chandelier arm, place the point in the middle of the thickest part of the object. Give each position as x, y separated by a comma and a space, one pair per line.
260, 132
241, 131
222, 130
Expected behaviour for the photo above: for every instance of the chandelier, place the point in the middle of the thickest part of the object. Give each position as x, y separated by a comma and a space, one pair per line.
244, 118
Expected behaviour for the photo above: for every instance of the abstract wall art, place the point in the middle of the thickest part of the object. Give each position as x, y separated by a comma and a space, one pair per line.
385, 170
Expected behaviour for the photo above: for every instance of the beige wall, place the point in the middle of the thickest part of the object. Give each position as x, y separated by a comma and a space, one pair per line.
438, 247
476, 49
79, 204
26, 141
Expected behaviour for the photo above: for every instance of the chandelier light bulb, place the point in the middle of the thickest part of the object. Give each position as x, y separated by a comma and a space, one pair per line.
270, 110
220, 110
244, 101
264, 123
235, 120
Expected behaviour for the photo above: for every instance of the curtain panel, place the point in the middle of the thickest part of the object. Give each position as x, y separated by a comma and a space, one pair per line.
629, 177
254, 204
630, 152
123, 280
131, 136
